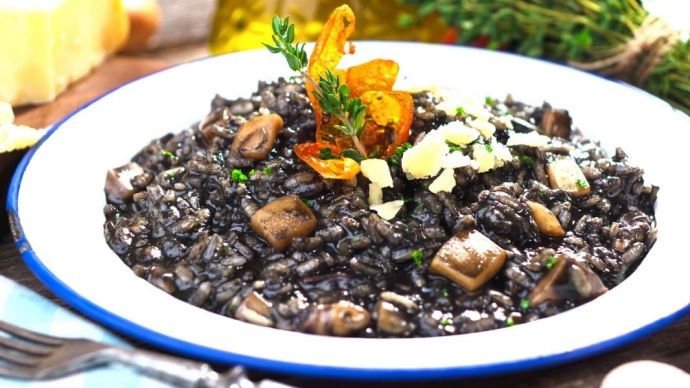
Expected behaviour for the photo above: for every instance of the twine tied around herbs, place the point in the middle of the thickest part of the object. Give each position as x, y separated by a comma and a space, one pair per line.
635, 60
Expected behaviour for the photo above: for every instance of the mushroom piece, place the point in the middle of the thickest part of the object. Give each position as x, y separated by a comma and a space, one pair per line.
342, 319
390, 319
255, 138
546, 220
118, 185
282, 219
568, 279
556, 123
255, 309
566, 175
469, 259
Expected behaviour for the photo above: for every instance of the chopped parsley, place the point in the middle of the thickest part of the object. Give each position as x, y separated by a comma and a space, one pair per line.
251, 172
233, 309
444, 292
542, 193
417, 256
454, 147
238, 176
399, 151
489, 147
354, 239
583, 184
306, 202
551, 261
420, 205
327, 153
490, 101
167, 154
267, 170
460, 111
169, 176
524, 303
527, 160
510, 322
445, 321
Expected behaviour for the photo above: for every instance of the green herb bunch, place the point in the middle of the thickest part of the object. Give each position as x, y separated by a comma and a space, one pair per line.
571, 31
333, 97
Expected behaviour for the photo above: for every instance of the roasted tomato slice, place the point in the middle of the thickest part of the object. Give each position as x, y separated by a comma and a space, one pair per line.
329, 49
377, 74
335, 168
390, 117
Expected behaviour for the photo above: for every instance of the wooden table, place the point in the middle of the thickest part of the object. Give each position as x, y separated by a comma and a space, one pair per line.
670, 345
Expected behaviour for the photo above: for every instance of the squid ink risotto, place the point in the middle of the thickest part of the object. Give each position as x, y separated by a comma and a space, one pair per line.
497, 214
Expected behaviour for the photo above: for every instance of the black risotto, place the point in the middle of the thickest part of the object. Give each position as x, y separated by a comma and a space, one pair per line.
179, 215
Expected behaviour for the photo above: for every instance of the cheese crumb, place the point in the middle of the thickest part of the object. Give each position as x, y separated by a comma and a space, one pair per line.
6, 114
377, 171
425, 158
484, 127
388, 210
17, 137
444, 182
458, 133
531, 139
375, 194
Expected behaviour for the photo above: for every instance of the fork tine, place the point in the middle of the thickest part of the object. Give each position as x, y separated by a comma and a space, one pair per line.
30, 335
17, 372
18, 358
25, 347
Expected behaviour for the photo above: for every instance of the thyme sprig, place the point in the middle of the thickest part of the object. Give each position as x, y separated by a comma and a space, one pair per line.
333, 96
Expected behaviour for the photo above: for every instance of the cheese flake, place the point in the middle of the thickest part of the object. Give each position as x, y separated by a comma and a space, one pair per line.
458, 133
425, 158
457, 160
444, 182
375, 194
531, 139
484, 127
388, 210
485, 158
377, 171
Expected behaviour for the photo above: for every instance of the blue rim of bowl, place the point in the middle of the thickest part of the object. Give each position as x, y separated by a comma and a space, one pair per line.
175, 345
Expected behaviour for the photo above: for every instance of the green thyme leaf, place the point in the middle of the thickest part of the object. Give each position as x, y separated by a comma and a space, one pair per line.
417, 256
167, 154
352, 154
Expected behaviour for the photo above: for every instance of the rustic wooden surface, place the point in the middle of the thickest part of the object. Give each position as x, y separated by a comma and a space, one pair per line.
670, 345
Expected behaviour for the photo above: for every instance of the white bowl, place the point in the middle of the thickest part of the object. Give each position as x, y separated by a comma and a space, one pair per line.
56, 201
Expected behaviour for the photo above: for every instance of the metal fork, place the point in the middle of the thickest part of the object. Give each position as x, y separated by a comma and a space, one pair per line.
33, 356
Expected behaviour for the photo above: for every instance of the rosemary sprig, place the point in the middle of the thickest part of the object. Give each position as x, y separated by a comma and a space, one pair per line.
333, 97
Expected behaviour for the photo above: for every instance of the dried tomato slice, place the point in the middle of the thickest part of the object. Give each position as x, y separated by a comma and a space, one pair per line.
336, 168
390, 116
377, 74
329, 49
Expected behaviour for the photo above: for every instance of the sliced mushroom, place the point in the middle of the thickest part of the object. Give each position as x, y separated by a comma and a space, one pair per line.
282, 219
342, 319
400, 300
568, 279
255, 309
556, 123
255, 138
118, 185
390, 319
566, 175
546, 220
469, 259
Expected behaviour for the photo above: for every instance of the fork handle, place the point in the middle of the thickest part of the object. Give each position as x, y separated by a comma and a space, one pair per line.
178, 371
